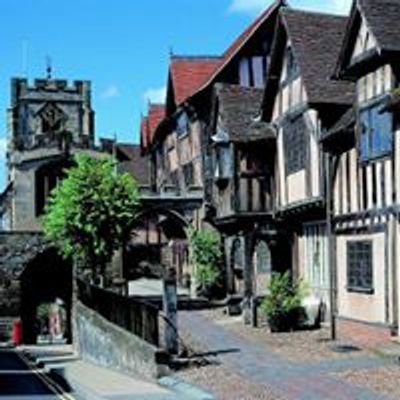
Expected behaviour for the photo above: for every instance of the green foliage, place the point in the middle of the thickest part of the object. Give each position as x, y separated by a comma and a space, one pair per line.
43, 311
282, 304
206, 275
91, 212
205, 253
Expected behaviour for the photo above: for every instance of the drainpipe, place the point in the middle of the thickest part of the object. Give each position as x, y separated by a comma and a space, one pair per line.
395, 288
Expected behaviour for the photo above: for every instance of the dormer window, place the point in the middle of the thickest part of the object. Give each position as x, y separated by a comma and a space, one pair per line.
376, 133
182, 124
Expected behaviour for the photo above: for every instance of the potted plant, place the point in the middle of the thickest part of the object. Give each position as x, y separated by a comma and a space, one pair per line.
206, 277
283, 302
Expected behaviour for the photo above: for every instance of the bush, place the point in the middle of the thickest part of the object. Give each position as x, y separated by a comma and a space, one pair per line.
282, 304
205, 256
206, 275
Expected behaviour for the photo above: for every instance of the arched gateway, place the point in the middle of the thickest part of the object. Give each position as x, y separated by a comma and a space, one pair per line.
32, 274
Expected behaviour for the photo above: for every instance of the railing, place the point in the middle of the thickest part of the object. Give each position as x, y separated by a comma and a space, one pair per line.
135, 316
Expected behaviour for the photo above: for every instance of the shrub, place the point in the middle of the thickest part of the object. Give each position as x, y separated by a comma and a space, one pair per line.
282, 304
205, 256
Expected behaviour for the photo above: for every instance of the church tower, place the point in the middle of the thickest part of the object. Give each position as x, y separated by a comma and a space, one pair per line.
47, 122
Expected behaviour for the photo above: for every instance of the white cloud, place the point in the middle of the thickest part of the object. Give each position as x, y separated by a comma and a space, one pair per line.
248, 6
155, 95
110, 92
3, 149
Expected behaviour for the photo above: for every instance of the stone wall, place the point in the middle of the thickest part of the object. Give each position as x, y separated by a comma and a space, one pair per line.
99, 341
16, 250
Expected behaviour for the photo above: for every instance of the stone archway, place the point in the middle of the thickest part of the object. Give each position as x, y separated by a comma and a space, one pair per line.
46, 278
159, 239
262, 262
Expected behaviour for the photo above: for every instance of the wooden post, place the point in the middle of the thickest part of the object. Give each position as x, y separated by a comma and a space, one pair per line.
170, 306
248, 282
331, 242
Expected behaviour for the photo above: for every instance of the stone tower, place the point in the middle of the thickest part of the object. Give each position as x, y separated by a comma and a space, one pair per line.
47, 122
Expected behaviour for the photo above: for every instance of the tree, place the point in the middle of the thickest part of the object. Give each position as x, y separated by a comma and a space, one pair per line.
91, 213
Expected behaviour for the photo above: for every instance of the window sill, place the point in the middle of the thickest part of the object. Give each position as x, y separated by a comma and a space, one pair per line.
357, 290
371, 160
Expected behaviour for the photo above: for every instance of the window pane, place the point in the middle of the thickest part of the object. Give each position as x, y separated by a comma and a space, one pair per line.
376, 133
364, 139
385, 130
359, 265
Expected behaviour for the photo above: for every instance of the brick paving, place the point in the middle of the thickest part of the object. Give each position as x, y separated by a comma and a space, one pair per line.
257, 365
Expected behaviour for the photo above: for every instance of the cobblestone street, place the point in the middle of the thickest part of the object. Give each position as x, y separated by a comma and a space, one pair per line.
254, 364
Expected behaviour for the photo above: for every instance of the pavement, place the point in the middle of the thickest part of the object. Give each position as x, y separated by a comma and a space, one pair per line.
151, 287
306, 380
55, 372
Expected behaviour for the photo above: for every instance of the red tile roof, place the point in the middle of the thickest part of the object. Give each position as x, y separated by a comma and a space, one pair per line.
241, 40
192, 74
149, 124
189, 73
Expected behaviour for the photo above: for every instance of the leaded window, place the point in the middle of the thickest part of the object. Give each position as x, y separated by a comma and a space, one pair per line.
188, 174
295, 145
292, 69
182, 124
316, 255
359, 266
376, 129
263, 258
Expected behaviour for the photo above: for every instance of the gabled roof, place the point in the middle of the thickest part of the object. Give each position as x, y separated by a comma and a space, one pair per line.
241, 41
149, 124
382, 19
188, 73
239, 109
132, 162
315, 39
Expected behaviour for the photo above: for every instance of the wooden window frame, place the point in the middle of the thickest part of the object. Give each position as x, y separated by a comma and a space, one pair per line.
372, 154
360, 258
295, 145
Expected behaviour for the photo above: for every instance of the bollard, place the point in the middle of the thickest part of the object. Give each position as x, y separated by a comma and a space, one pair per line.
16, 334
170, 306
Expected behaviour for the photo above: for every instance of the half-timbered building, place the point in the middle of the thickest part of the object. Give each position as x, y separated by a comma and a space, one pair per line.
178, 150
364, 146
300, 101
242, 196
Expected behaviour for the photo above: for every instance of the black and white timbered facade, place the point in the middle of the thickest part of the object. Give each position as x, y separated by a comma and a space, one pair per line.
300, 101
365, 147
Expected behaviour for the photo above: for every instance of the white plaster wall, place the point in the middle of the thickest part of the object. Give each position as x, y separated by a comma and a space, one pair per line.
296, 186
360, 306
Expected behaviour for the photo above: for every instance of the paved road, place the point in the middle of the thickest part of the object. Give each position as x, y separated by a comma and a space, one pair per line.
293, 381
19, 382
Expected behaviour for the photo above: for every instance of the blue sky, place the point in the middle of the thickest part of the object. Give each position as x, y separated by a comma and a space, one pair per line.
122, 46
